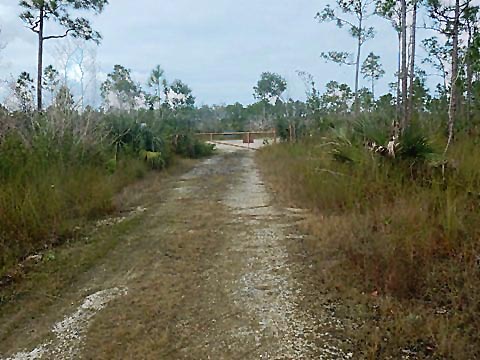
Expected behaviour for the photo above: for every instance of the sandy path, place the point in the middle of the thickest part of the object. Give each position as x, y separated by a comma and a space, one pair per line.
208, 275
265, 287
258, 278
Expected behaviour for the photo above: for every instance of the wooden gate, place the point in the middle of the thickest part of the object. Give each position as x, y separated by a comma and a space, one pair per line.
252, 140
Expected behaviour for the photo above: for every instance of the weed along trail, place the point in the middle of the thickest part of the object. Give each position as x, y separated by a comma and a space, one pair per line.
205, 272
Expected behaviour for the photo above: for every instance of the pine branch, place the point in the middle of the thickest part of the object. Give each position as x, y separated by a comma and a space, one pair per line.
58, 36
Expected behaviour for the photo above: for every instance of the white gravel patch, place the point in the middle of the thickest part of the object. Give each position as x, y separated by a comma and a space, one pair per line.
266, 288
70, 332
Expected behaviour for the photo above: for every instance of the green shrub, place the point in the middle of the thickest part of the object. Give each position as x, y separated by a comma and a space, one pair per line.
111, 166
154, 159
189, 146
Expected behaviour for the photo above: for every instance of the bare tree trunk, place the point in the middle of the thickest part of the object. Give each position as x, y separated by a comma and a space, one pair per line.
80, 62
92, 74
452, 111
404, 120
264, 114
40, 60
291, 125
357, 66
413, 44
469, 91
399, 84
373, 88
159, 91
469, 75
444, 77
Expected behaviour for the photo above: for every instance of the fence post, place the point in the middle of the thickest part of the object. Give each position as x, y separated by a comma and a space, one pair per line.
274, 136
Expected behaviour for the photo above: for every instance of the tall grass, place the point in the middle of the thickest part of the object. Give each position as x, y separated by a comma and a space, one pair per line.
402, 229
47, 189
52, 181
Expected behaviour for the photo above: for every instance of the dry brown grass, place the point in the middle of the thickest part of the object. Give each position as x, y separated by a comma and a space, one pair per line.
404, 254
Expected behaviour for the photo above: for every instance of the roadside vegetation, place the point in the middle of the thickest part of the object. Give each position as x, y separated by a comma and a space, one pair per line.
54, 176
403, 236
393, 187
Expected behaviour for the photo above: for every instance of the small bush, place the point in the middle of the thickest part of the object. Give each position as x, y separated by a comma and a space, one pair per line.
153, 159
188, 146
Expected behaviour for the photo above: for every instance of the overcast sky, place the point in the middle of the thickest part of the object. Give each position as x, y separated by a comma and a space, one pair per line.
218, 47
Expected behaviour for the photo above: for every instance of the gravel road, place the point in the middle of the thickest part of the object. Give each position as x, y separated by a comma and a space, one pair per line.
208, 273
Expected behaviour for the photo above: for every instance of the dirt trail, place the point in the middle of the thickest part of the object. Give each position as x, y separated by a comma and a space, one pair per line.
206, 274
